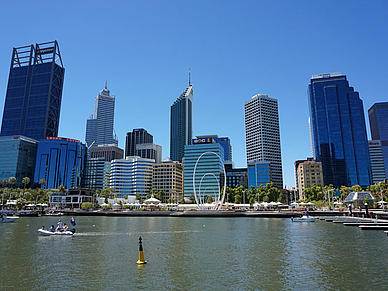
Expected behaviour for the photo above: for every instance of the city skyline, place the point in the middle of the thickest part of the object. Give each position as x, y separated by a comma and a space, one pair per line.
232, 57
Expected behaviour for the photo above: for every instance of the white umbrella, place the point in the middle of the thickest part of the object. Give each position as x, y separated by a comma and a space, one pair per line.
294, 203
309, 203
381, 202
104, 205
152, 200
30, 205
337, 203
116, 205
302, 203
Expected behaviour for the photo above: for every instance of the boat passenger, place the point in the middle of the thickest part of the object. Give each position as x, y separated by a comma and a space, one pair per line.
52, 228
43, 227
59, 225
64, 227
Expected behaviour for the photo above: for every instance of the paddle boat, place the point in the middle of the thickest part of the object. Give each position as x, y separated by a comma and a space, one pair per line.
4, 218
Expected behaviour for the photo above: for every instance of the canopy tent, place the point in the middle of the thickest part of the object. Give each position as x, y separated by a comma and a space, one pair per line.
152, 200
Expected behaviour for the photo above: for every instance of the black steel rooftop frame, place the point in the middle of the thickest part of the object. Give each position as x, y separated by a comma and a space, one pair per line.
38, 54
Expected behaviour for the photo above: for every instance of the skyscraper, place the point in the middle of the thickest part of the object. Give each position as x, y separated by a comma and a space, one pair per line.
181, 127
99, 125
136, 137
262, 134
378, 120
338, 130
34, 93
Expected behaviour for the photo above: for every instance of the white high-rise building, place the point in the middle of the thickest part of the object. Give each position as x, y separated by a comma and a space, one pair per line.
99, 126
262, 134
132, 176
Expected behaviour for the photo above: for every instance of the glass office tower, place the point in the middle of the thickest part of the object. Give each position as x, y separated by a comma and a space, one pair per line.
378, 121
60, 161
338, 131
17, 158
99, 125
181, 127
34, 93
209, 175
136, 137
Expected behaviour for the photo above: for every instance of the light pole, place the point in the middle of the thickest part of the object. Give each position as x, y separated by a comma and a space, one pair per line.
381, 194
244, 199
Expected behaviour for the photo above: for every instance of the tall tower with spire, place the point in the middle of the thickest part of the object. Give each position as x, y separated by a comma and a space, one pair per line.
181, 123
99, 125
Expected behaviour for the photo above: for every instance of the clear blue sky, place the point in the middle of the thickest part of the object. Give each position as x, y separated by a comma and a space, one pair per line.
235, 49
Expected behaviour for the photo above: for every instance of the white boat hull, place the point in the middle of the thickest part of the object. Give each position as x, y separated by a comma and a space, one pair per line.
303, 219
47, 232
8, 219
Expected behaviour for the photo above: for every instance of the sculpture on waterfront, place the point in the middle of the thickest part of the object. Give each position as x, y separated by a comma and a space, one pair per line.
199, 197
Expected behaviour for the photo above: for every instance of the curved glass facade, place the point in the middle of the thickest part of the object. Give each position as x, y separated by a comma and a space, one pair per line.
209, 172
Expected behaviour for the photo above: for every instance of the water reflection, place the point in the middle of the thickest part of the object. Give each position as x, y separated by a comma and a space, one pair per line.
192, 254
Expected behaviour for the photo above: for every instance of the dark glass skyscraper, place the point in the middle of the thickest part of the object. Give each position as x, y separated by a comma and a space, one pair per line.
34, 93
378, 120
339, 131
60, 161
136, 137
181, 127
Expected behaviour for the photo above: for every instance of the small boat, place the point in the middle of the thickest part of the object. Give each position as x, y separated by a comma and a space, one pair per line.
304, 218
47, 232
4, 218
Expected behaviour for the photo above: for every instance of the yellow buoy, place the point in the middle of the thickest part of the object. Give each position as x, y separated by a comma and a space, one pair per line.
141, 254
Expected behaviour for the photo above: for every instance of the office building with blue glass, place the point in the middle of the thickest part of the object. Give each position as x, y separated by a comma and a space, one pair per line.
378, 121
181, 124
259, 173
34, 93
60, 161
338, 131
209, 173
17, 158
132, 176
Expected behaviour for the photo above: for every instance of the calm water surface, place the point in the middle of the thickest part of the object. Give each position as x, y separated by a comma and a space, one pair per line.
192, 254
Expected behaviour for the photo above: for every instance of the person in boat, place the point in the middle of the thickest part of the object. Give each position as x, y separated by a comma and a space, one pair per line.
64, 227
52, 228
59, 225
43, 227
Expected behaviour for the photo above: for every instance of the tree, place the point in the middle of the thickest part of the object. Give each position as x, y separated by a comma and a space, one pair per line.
4, 182
209, 199
86, 205
61, 188
12, 181
42, 182
25, 181
356, 188
237, 199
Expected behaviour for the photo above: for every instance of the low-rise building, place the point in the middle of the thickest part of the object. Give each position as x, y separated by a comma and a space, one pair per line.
168, 177
309, 174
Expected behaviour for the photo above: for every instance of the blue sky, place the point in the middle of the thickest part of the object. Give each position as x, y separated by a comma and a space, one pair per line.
235, 49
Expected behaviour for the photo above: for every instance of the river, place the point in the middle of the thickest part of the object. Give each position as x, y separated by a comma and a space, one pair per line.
192, 254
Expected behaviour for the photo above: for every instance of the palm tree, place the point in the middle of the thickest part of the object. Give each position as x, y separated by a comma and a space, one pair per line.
4, 182
12, 180
42, 183
61, 188
25, 181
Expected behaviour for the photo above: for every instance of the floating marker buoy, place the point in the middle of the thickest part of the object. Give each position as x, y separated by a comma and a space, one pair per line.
141, 254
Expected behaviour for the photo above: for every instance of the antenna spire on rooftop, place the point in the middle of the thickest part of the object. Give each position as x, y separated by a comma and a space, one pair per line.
106, 84
189, 78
